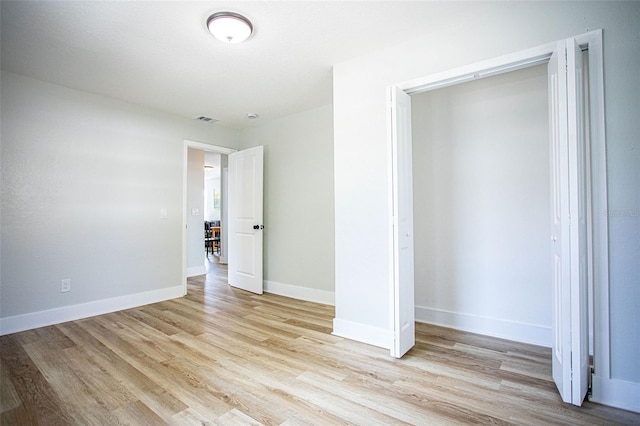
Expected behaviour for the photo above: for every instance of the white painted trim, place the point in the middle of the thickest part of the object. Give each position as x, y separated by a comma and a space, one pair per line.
605, 389
379, 337
85, 310
504, 329
300, 293
602, 338
616, 393
500, 65
208, 147
185, 157
196, 270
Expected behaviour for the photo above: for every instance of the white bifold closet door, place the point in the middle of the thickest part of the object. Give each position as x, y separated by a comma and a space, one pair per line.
404, 328
570, 353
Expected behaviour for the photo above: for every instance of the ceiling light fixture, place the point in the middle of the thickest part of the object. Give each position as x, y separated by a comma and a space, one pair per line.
229, 27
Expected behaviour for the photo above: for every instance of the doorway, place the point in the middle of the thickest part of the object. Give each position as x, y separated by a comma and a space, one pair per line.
213, 202
570, 333
193, 219
245, 213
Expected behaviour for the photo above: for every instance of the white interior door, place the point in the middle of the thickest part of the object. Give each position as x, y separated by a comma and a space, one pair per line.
245, 219
561, 329
403, 306
579, 231
570, 366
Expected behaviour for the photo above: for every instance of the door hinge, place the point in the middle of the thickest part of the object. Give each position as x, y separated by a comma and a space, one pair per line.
571, 366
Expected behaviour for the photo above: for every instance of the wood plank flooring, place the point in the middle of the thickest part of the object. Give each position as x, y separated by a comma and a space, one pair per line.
224, 356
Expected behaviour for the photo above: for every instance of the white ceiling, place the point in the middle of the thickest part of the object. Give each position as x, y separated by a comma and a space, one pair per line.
160, 54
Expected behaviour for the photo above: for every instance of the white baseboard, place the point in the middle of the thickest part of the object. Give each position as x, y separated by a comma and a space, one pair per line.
196, 270
511, 330
85, 310
301, 293
616, 393
362, 333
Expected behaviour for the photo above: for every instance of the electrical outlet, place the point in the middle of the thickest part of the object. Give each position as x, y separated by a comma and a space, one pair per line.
65, 286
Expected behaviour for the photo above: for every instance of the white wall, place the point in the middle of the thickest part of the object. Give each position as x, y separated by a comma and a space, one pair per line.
212, 182
298, 210
483, 31
224, 208
481, 206
195, 212
211, 188
84, 178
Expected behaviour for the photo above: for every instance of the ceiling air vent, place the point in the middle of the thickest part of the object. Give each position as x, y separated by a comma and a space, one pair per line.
205, 119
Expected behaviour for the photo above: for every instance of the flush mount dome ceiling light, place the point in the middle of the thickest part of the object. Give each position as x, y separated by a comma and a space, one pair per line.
229, 27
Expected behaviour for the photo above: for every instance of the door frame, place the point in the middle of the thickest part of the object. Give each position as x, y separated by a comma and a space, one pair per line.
599, 272
190, 144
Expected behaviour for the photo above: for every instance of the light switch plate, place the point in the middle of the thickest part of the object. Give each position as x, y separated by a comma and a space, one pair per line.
163, 213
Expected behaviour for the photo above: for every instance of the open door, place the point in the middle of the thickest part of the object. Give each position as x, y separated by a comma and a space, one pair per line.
403, 305
570, 366
579, 229
245, 219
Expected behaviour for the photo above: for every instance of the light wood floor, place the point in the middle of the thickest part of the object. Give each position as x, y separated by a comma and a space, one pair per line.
223, 356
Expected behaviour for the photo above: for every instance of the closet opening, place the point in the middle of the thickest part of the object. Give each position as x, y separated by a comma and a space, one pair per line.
477, 232
481, 195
